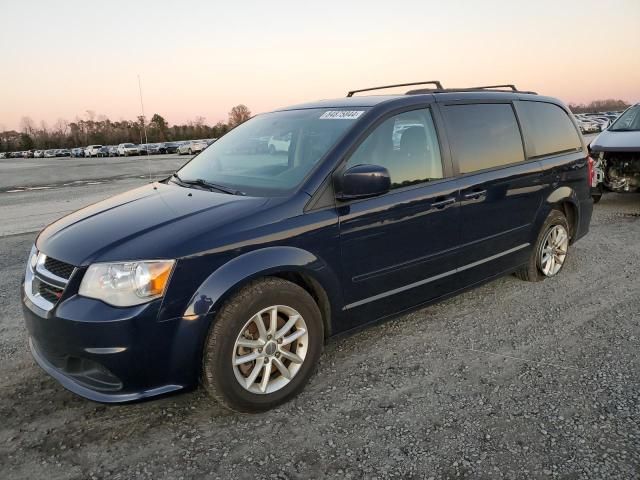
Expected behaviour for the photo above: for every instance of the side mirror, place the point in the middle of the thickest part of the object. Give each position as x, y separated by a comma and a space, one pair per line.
362, 181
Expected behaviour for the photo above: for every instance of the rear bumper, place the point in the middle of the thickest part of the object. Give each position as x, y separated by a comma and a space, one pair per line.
584, 218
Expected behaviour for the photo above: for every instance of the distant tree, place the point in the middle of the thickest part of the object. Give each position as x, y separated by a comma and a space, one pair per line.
220, 129
26, 142
27, 125
160, 127
238, 114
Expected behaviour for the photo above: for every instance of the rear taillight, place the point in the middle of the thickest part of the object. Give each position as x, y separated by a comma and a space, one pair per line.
591, 171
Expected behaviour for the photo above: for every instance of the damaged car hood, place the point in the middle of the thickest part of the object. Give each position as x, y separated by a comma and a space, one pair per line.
612, 141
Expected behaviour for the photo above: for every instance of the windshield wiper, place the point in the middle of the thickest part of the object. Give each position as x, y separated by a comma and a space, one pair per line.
209, 185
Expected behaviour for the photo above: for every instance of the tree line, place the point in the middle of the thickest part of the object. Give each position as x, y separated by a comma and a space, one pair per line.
608, 105
100, 130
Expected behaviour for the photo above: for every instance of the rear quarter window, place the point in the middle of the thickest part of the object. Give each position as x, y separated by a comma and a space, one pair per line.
483, 136
548, 129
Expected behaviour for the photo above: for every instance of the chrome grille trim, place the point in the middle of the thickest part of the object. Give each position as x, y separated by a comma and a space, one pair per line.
42, 275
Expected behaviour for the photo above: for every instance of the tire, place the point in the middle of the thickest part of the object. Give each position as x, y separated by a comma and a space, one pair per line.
221, 378
272, 150
534, 271
190, 152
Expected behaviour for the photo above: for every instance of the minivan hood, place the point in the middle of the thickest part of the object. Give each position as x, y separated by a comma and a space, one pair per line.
151, 222
612, 141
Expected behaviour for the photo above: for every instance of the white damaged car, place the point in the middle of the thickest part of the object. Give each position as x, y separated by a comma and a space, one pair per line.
617, 154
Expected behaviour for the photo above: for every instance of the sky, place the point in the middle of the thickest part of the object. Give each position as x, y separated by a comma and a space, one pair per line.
62, 58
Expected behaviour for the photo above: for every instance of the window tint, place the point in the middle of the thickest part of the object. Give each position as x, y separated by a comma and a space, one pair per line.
547, 128
483, 136
406, 145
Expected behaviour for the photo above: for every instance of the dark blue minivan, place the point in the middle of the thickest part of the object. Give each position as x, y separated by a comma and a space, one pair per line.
297, 225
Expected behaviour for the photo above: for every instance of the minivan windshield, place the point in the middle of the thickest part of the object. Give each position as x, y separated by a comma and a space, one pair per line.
629, 121
272, 153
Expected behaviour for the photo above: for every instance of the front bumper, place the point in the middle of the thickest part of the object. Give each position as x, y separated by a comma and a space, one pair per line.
114, 355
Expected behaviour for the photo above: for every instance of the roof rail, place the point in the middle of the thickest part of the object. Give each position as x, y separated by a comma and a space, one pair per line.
509, 86
434, 82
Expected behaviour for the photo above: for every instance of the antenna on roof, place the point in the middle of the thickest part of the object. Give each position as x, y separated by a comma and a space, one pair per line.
144, 127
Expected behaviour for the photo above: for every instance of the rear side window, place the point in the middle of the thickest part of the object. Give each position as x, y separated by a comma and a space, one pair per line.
547, 128
483, 136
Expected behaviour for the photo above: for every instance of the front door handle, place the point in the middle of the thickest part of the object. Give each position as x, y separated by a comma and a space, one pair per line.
443, 203
475, 194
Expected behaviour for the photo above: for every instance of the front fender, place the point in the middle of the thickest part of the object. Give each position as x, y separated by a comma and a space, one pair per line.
190, 330
258, 263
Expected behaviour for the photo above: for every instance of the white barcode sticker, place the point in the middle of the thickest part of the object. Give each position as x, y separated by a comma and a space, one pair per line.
341, 114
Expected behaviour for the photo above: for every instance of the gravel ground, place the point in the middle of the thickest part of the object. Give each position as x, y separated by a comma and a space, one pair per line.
510, 380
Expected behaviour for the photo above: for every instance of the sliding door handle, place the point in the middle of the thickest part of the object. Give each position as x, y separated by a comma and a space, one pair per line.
475, 195
443, 203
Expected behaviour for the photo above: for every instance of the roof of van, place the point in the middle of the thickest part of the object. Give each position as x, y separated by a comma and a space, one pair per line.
418, 98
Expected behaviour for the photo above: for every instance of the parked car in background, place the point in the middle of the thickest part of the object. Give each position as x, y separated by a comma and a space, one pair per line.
192, 147
51, 153
16, 155
617, 155
77, 152
156, 148
233, 272
64, 152
171, 147
38, 154
127, 149
4, 155
113, 150
279, 143
92, 151
27, 154
587, 126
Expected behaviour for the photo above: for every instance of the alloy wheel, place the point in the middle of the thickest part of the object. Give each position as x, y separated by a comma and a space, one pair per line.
270, 349
553, 250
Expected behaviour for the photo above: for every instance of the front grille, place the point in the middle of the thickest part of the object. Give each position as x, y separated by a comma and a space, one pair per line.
58, 268
48, 292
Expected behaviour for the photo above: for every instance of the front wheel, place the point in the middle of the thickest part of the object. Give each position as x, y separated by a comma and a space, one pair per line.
263, 346
550, 251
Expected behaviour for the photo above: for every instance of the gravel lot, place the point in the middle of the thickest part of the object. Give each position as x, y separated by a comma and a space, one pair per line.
510, 380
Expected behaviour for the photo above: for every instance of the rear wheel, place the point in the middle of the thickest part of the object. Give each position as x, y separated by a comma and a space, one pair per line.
550, 251
263, 346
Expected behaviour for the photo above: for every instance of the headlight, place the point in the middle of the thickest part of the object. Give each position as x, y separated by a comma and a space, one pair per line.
33, 259
126, 284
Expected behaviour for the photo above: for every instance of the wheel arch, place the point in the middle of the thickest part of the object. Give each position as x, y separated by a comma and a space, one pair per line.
565, 200
289, 263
